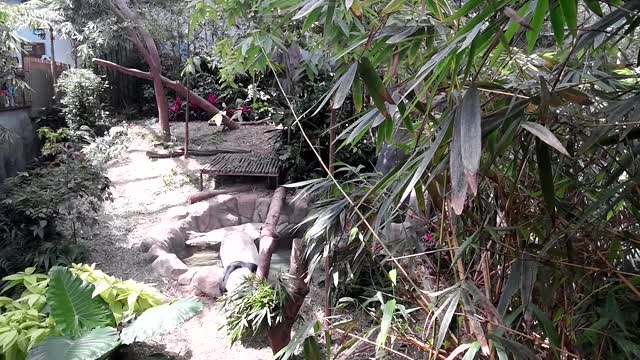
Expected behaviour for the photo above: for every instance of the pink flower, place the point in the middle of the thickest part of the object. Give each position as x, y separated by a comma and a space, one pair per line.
193, 105
212, 98
377, 248
244, 109
176, 106
229, 112
428, 237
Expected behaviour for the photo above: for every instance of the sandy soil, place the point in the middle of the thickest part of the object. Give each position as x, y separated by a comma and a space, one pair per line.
143, 191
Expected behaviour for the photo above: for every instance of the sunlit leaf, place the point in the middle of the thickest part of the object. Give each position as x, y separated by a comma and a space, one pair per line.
344, 86
545, 135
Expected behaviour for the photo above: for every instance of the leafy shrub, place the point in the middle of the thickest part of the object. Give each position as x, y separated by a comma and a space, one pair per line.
82, 91
103, 149
79, 323
44, 211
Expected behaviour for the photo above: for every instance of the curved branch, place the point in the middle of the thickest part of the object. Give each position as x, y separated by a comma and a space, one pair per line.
173, 85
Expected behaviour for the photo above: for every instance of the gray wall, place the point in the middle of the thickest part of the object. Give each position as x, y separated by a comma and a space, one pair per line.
14, 156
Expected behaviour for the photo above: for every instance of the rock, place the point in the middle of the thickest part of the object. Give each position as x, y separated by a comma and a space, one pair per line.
169, 265
246, 205
261, 209
154, 252
209, 280
176, 213
187, 277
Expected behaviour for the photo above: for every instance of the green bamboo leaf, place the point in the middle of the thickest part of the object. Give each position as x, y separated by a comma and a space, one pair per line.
465, 10
545, 135
471, 136
557, 21
328, 21
308, 7
357, 94
511, 287
545, 173
456, 168
570, 12
344, 86
472, 351
311, 349
311, 19
537, 20
547, 325
594, 6
446, 319
387, 315
392, 6
374, 85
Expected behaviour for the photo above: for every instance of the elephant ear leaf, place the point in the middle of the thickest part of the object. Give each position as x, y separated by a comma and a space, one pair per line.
92, 345
73, 307
159, 320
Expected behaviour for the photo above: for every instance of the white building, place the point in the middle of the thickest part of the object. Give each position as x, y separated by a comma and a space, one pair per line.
63, 48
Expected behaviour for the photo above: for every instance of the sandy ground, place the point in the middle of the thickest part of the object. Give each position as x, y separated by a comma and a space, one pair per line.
143, 191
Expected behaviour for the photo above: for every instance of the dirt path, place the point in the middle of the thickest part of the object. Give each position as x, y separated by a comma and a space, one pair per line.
143, 191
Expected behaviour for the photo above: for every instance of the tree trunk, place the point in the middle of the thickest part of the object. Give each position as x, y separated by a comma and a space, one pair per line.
280, 335
268, 233
173, 85
146, 46
327, 258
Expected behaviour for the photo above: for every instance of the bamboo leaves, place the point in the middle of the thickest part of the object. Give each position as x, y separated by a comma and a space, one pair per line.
344, 86
545, 135
471, 136
466, 149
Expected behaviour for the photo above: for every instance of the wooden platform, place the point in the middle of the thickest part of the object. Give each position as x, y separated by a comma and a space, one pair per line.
258, 165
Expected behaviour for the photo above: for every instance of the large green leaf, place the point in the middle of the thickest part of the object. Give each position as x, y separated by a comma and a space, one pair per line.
374, 85
72, 306
92, 345
456, 168
160, 319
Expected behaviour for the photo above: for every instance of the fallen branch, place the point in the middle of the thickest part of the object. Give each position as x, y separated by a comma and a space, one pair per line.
268, 233
173, 85
249, 123
165, 154
280, 335
204, 195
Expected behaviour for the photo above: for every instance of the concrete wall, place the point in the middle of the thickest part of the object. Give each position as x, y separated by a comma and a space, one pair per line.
14, 156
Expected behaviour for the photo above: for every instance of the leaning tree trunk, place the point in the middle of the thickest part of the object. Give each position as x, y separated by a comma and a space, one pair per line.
146, 46
173, 85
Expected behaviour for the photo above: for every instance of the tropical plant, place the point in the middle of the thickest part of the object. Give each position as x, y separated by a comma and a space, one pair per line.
81, 319
519, 151
44, 211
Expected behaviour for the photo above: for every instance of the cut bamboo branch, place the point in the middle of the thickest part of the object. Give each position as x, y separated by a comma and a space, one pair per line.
268, 233
173, 85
